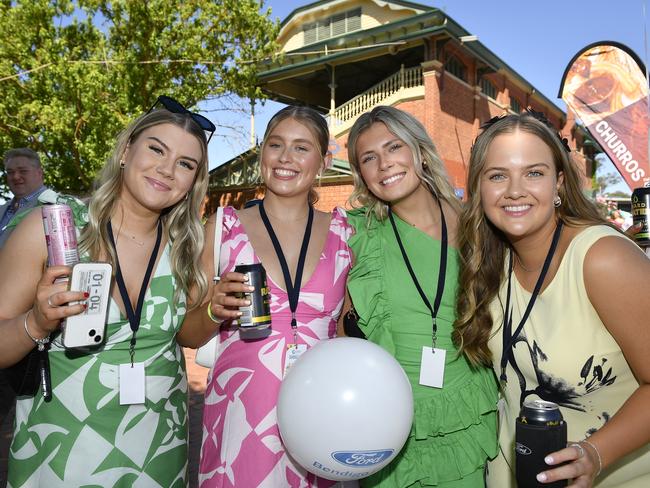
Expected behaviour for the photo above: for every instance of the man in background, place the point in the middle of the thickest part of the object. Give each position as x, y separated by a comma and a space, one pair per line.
25, 178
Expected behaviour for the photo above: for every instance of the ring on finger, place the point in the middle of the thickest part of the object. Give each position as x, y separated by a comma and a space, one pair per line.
49, 302
216, 279
581, 450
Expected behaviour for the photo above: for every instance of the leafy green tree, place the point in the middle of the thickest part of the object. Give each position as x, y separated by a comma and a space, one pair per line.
73, 73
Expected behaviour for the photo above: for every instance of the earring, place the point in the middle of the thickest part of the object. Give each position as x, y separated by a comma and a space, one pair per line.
187, 196
122, 163
557, 201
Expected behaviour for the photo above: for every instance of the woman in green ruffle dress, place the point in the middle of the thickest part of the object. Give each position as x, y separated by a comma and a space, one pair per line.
402, 290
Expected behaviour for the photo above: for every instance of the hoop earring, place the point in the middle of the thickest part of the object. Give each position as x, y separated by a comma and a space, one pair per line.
557, 201
122, 163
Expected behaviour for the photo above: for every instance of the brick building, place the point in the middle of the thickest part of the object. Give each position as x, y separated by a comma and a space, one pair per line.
343, 57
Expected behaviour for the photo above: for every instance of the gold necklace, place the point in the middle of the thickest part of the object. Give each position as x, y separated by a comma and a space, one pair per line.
525, 268
139, 243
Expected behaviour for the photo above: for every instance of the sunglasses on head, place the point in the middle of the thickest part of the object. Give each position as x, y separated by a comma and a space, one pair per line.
176, 107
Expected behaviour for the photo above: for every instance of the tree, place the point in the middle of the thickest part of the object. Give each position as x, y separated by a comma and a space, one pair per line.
73, 73
603, 180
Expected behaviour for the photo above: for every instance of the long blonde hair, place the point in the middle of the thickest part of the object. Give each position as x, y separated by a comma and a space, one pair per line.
314, 122
483, 247
428, 165
181, 221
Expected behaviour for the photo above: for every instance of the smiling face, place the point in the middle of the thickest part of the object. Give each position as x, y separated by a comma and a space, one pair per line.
386, 164
160, 166
518, 185
23, 176
291, 159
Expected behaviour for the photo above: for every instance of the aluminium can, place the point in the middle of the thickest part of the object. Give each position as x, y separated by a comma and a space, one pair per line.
257, 315
540, 413
640, 207
60, 235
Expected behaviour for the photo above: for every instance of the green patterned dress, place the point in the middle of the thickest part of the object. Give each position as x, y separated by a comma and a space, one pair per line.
84, 437
454, 427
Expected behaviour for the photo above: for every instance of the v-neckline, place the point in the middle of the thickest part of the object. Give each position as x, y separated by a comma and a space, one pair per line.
313, 273
113, 303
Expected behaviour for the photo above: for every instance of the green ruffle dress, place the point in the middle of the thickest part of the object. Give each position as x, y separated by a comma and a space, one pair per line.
454, 429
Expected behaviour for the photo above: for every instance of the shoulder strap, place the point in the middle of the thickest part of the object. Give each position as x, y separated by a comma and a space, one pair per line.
218, 228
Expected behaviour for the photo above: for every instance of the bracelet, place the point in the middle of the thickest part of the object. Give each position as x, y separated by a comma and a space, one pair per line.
600, 461
212, 317
41, 343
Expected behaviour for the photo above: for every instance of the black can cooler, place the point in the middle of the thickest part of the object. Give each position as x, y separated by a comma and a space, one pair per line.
640, 208
257, 315
539, 431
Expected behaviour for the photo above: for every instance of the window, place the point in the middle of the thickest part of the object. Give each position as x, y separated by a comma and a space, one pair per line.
515, 106
336, 25
456, 68
488, 88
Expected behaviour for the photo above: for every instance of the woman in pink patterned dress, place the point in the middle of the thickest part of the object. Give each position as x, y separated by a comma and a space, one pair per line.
241, 442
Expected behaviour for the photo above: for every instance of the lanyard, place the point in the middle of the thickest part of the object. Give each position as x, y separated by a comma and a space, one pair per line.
508, 337
441, 272
293, 287
134, 316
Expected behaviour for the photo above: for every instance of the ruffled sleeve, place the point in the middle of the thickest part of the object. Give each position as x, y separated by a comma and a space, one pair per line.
366, 281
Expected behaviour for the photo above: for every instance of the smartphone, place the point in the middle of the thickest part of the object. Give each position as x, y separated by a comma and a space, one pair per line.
88, 328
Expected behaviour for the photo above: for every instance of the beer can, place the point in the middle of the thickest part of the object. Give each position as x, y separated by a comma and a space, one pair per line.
640, 205
539, 431
540, 413
257, 315
60, 235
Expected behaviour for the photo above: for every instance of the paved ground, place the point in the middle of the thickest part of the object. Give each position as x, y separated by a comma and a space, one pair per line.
196, 376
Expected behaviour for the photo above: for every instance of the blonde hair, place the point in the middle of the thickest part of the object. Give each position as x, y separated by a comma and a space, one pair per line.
181, 221
483, 247
314, 122
428, 165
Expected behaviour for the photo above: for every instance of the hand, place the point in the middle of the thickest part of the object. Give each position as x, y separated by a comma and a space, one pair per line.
582, 465
634, 229
50, 306
224, 304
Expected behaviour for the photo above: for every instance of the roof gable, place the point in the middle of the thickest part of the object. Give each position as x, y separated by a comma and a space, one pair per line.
373, 12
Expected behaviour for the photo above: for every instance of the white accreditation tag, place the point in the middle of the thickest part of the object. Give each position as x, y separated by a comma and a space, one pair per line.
294, 351
432, 367
131, 383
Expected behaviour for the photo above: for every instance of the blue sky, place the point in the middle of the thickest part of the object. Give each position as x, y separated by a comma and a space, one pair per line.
536, 38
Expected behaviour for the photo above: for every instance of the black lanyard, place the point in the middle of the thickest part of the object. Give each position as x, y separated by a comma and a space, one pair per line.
134, 316
508, 337
441, 272
293, 287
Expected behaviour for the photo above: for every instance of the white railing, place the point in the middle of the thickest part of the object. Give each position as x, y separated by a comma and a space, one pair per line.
404, 78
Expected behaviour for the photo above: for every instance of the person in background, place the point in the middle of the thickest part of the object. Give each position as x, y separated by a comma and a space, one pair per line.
557, 301
25, 180
403, 286
306, 258
118, 413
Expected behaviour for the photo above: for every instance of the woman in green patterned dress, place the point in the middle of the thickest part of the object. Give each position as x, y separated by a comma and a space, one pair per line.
144, 213
403, 287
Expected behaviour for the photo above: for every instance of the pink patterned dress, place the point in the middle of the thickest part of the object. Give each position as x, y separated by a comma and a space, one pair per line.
241, 441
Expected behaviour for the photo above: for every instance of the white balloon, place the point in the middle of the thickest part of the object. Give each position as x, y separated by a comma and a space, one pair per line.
345, 409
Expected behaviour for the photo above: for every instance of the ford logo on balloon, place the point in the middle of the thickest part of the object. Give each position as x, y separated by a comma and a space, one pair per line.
362, 458
333, 405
